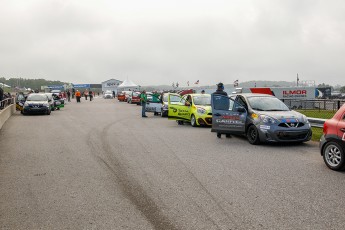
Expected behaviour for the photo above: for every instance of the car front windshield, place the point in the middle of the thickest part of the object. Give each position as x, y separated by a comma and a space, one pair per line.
202, 100
37, 97
267, 104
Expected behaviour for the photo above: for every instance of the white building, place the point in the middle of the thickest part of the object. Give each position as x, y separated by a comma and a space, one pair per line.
111, 85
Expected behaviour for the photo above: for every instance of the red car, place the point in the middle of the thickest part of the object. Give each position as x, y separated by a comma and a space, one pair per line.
121, 96
332, 143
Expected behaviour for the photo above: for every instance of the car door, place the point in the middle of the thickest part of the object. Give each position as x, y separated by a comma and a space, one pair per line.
228, 116
341, 127
178, 110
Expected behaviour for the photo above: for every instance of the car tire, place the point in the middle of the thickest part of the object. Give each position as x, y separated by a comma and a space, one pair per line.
53, 109
193, 121
48, 112
334, 156
180, 122
253, 135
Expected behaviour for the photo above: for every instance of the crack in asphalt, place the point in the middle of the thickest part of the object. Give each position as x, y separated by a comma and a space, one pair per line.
135, 193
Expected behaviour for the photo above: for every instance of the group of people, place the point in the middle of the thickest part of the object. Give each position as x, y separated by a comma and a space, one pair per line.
3, 97
143, 100
87, 94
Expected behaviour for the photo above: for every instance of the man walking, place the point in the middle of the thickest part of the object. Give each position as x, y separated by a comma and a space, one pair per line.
78, 96
69, 95
143, 100
91, 95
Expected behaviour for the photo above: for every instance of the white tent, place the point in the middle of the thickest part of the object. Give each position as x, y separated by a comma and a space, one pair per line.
4, 85
128, 84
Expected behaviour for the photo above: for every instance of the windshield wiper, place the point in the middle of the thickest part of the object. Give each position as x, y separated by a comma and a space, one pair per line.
275, 110
258, 109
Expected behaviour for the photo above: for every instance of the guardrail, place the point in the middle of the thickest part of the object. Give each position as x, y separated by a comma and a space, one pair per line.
316, 122
7, 109
6, 102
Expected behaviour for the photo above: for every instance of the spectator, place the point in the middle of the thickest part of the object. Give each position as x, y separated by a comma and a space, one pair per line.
1, 97
222, 103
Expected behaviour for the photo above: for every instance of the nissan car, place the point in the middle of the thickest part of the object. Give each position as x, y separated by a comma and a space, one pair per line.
260, 117
36, 103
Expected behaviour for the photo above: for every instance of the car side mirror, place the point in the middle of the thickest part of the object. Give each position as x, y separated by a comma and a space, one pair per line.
241, 109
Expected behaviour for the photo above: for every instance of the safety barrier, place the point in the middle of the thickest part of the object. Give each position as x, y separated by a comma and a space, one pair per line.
8, 107
316, 122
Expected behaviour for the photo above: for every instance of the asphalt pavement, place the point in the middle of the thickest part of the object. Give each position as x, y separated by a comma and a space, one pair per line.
99, 165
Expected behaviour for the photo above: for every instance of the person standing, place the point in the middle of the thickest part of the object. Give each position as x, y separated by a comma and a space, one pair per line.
220, 91
86, 94
91, 95
78, 96
69, 96
1, 97
143, 100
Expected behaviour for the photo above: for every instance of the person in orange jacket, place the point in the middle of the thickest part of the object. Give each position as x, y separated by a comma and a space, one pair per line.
78, 96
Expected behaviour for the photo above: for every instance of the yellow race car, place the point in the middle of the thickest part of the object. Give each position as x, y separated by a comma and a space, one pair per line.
193, 108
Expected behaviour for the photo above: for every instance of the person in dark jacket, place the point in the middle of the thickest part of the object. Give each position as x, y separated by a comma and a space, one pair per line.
1, 97
220, 91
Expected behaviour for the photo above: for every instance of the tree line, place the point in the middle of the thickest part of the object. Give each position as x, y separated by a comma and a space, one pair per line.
29, 83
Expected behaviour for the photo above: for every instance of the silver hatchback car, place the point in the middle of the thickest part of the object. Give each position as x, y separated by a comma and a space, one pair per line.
261, 117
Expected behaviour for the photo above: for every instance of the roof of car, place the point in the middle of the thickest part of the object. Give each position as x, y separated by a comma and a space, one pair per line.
253, 95
198, 94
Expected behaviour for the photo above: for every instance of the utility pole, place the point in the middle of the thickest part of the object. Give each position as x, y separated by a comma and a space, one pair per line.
297, 79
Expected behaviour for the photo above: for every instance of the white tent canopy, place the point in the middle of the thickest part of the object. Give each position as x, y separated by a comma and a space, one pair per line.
4, 85
127, 84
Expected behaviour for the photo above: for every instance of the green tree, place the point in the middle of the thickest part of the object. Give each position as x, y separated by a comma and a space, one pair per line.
342, 89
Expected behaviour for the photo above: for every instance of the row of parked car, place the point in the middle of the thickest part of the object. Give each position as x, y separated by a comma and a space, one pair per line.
39, 103
259, 117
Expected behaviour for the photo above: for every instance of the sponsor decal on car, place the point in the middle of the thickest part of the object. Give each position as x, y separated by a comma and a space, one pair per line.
226, 121
265, 127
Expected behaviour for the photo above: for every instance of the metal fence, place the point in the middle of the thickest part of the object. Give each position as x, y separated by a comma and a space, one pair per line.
6, 102
321, 108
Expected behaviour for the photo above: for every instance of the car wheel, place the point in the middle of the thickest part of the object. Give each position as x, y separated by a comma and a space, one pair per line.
162, 115
53, 109
253, 135
48, 112
333, 155
193, 121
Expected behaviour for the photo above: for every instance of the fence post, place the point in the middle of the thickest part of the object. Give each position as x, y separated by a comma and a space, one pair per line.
338, 104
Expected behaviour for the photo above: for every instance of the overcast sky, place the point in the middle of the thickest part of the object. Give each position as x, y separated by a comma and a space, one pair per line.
155, 42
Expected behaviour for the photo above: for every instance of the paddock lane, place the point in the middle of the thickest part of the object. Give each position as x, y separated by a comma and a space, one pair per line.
99, 165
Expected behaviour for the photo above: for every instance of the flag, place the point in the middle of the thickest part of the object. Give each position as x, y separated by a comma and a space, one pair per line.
197, 82
188, 83
235, 83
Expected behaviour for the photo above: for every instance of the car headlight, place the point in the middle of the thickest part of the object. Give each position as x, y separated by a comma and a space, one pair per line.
305, 119
268, 120
26, 104
201, 110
